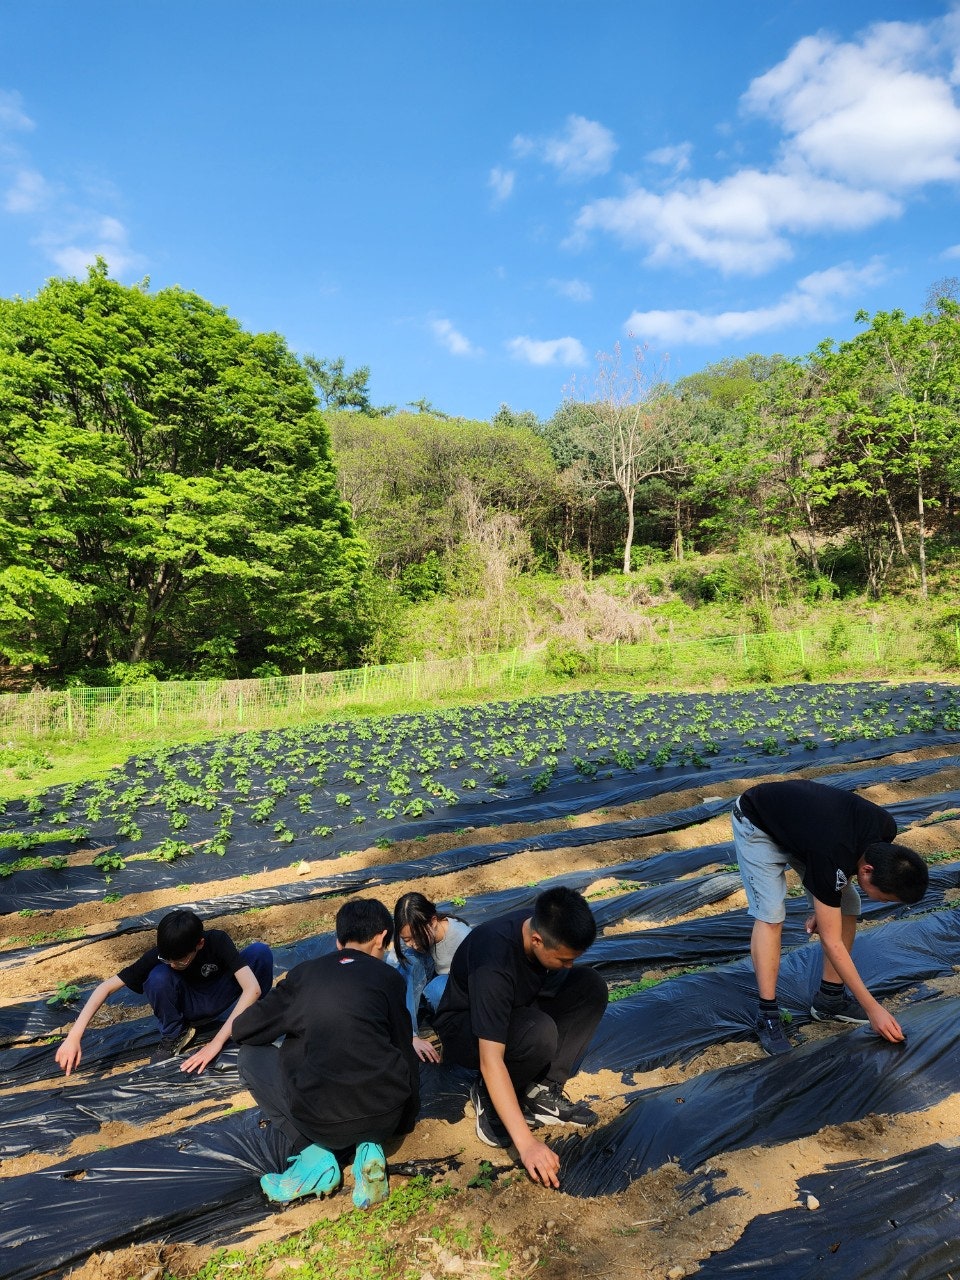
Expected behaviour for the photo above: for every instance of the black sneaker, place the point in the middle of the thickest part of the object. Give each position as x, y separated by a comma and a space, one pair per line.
771, 1035
173, 1046
841, 1008
490, 1128
546, 1103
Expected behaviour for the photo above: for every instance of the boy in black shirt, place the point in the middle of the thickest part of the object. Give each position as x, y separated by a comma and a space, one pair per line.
190, 976
828, 837
515, 1007
346, 1073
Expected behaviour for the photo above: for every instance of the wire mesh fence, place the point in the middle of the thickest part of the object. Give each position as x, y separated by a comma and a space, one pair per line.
138, 710
842, 648
240, 704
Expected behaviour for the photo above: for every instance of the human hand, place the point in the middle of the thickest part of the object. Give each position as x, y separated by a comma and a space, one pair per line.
202, 1058
425, 1050
886, 1025
68, 1054
541, 1163
810, 924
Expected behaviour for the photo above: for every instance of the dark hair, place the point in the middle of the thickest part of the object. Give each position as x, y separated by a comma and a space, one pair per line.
897, 870
178, 934
563, 918
361, 919
414, 911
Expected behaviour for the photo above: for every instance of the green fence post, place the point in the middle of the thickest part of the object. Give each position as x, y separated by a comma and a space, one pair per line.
69, 715
956, 627
616, 653
303, 689
803, 656
240, 706
876, 642
156, 708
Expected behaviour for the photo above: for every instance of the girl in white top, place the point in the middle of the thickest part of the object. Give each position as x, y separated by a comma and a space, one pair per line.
424, 941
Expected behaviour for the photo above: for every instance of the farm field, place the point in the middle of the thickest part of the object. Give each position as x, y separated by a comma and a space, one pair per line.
127, 1170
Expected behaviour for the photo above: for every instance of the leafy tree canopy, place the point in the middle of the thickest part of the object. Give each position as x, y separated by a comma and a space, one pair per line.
167, 493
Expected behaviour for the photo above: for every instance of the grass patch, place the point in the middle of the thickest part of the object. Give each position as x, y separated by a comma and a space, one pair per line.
360, 1245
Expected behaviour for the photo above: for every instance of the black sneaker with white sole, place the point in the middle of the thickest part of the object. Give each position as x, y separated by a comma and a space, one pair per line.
841, 1008
546, 1103
490, 1128
173, 1046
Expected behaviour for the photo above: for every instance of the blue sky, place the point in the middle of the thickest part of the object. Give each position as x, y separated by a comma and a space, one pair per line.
476, 197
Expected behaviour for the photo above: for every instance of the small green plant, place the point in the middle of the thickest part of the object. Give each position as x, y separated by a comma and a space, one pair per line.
65, 993
485, 1176
113, 896
109, 861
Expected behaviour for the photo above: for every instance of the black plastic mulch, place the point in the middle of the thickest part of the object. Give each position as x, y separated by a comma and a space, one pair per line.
678, 1019
198, 1185
897, 1219
252, 847
772, 1100
202, 1178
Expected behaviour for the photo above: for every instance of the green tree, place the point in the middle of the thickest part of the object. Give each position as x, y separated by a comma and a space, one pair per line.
166, 489
337, 389
404, 476
893, 398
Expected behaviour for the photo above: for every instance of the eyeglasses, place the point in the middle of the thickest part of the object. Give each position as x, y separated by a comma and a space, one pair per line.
183, 962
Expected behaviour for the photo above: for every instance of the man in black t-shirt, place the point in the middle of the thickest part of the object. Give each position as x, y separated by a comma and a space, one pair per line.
515, 1007
828, 837
346, 1073
190, 976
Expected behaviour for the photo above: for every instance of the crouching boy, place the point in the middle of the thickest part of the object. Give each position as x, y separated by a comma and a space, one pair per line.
346, 1074
515, 1007
191, 976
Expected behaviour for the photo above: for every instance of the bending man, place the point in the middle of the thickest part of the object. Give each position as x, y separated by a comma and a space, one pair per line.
829, 837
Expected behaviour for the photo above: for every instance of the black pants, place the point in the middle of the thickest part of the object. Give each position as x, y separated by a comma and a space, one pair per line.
259, 1066
545, 1040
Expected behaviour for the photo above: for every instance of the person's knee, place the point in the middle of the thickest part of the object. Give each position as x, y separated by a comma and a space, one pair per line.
533, 1037
161, 982
258, 957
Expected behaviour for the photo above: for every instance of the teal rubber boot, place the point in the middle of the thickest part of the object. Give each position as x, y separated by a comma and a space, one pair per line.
370, 1184
314, 1172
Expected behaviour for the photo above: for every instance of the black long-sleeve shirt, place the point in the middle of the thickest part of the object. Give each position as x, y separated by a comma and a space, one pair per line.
347, 1058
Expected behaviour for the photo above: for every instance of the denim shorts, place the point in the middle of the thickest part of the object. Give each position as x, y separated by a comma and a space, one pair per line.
763, 868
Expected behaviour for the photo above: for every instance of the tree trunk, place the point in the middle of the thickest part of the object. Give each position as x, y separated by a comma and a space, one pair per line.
628, 544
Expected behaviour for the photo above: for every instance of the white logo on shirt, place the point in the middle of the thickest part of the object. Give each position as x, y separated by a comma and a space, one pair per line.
208, 970
841, 880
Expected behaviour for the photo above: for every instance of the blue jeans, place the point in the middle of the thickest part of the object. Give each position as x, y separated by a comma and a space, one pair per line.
177, 1004
422, 979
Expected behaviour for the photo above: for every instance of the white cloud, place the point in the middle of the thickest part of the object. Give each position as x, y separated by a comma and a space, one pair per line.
739, 224
452, 339
575, 290
675, 158
813, 300
563, 351
28, 192
76, 248
69, 226
585, 149
862, 124
875, 111
501, 183
12, 114
952, 252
